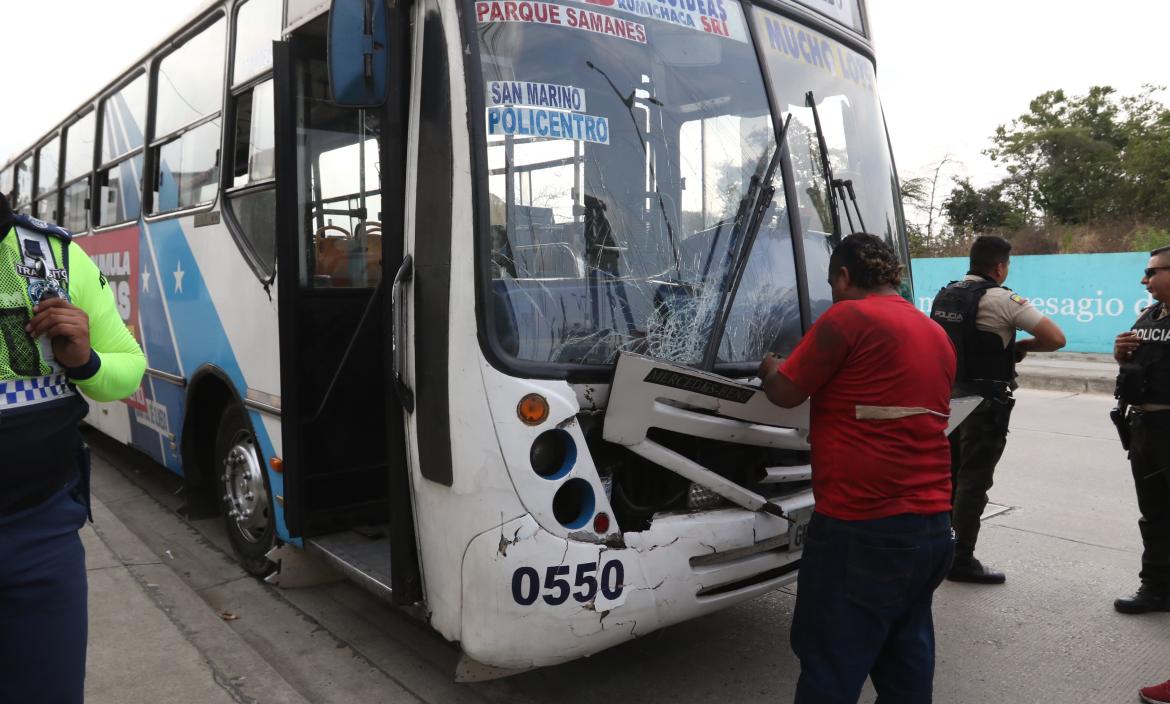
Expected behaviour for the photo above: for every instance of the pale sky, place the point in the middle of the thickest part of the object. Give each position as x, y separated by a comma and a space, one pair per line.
949, 71
59, 53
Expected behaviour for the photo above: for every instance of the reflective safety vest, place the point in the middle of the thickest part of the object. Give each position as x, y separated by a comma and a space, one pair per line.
41, 402
1145, 378
34, 265
981, 355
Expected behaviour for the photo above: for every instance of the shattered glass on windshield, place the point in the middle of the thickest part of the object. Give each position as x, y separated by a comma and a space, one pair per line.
621, 142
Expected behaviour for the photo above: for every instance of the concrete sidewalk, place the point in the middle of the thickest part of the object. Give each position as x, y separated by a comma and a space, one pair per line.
153, 639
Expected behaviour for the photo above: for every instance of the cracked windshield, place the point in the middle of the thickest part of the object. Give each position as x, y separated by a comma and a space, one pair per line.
622, 138
808, 69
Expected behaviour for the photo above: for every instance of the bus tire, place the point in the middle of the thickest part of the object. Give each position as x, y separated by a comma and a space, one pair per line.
245, 497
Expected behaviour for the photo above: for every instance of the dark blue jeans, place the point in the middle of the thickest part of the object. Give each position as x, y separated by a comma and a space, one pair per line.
863, 607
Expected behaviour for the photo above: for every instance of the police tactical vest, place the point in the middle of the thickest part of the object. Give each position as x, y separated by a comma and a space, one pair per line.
33, 266
981, 355
1146, 377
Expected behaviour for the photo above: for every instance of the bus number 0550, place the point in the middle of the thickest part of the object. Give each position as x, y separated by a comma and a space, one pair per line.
526, 585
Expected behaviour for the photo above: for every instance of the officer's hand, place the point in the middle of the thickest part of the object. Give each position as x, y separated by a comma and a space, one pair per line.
67, 327
768, 365
1125, 345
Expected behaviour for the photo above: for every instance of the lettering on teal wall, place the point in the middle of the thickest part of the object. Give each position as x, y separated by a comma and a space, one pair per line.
1092, 297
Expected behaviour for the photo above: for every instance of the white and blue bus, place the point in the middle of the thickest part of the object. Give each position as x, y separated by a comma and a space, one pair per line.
463, 296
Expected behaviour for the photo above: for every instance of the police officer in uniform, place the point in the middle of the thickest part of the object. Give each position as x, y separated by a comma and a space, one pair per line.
1143, 384
60, 336
981, 317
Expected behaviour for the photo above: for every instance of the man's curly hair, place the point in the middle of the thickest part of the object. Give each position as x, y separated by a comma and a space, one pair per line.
871, 262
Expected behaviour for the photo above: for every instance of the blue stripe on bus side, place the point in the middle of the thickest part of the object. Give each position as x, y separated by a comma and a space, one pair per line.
156, 335
200, 334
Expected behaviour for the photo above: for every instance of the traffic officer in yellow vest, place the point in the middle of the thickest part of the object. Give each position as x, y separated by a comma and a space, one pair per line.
60, 334
1143, 384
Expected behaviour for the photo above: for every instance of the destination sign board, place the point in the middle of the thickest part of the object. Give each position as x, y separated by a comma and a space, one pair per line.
847, 12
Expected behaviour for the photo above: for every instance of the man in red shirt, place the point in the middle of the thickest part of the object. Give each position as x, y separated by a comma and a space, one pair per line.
880, 374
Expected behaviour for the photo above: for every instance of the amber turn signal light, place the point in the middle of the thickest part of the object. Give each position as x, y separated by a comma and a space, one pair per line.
532, 409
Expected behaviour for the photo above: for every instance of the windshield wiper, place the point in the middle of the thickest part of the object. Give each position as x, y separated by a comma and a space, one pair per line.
810, 101
838, 188
755, 203
844, 187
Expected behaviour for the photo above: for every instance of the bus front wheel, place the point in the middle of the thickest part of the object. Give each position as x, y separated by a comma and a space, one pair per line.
245, 498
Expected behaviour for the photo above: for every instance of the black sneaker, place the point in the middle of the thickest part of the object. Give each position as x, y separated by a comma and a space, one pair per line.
1148, 598
968, 569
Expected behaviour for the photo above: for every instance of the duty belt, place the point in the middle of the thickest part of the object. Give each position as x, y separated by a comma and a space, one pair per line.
990, 389
1136, 411
21, 393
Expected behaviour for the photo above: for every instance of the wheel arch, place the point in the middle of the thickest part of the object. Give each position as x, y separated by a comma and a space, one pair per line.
209, 393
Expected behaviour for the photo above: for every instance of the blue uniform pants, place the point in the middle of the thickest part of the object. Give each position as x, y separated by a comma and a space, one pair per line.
43, 614
863, 607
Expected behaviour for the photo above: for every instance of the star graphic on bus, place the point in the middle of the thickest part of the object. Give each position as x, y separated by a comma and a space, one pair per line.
145, 281
179, 274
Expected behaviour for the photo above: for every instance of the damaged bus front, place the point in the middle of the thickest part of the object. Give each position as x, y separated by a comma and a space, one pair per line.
646, 232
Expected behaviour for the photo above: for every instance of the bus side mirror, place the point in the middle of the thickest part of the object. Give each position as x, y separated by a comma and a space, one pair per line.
359, 60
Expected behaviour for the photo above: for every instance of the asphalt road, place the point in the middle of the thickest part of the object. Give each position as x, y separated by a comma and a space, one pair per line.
1068, 541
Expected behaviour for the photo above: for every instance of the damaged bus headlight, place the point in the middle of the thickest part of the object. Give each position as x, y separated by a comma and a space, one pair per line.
700, 498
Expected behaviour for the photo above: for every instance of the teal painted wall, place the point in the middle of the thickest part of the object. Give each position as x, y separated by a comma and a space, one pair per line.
1092, 297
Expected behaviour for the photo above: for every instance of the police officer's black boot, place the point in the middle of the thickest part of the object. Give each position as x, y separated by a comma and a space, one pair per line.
967, 569
1149, 597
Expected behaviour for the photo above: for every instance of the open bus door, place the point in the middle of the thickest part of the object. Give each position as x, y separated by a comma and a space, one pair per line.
339, 219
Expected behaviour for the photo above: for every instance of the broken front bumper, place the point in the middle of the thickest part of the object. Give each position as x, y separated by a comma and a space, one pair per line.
532, 599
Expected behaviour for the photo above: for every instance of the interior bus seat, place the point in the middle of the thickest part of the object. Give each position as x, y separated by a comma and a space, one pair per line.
373, 256
552, 319
550, 260
332, 259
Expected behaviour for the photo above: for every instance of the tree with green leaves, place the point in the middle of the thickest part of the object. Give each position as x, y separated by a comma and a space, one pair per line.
981, 211
1085, 173
1087, 158
1146, 159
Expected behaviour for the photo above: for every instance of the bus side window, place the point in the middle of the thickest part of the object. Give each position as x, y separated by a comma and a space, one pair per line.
78, 163
257, 26
6, 182
252, 196
48, 165
23, 198
123, 125
188, 101
251, 177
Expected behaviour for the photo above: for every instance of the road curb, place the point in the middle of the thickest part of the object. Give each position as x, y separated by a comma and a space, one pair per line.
1072, 372
1071, 384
